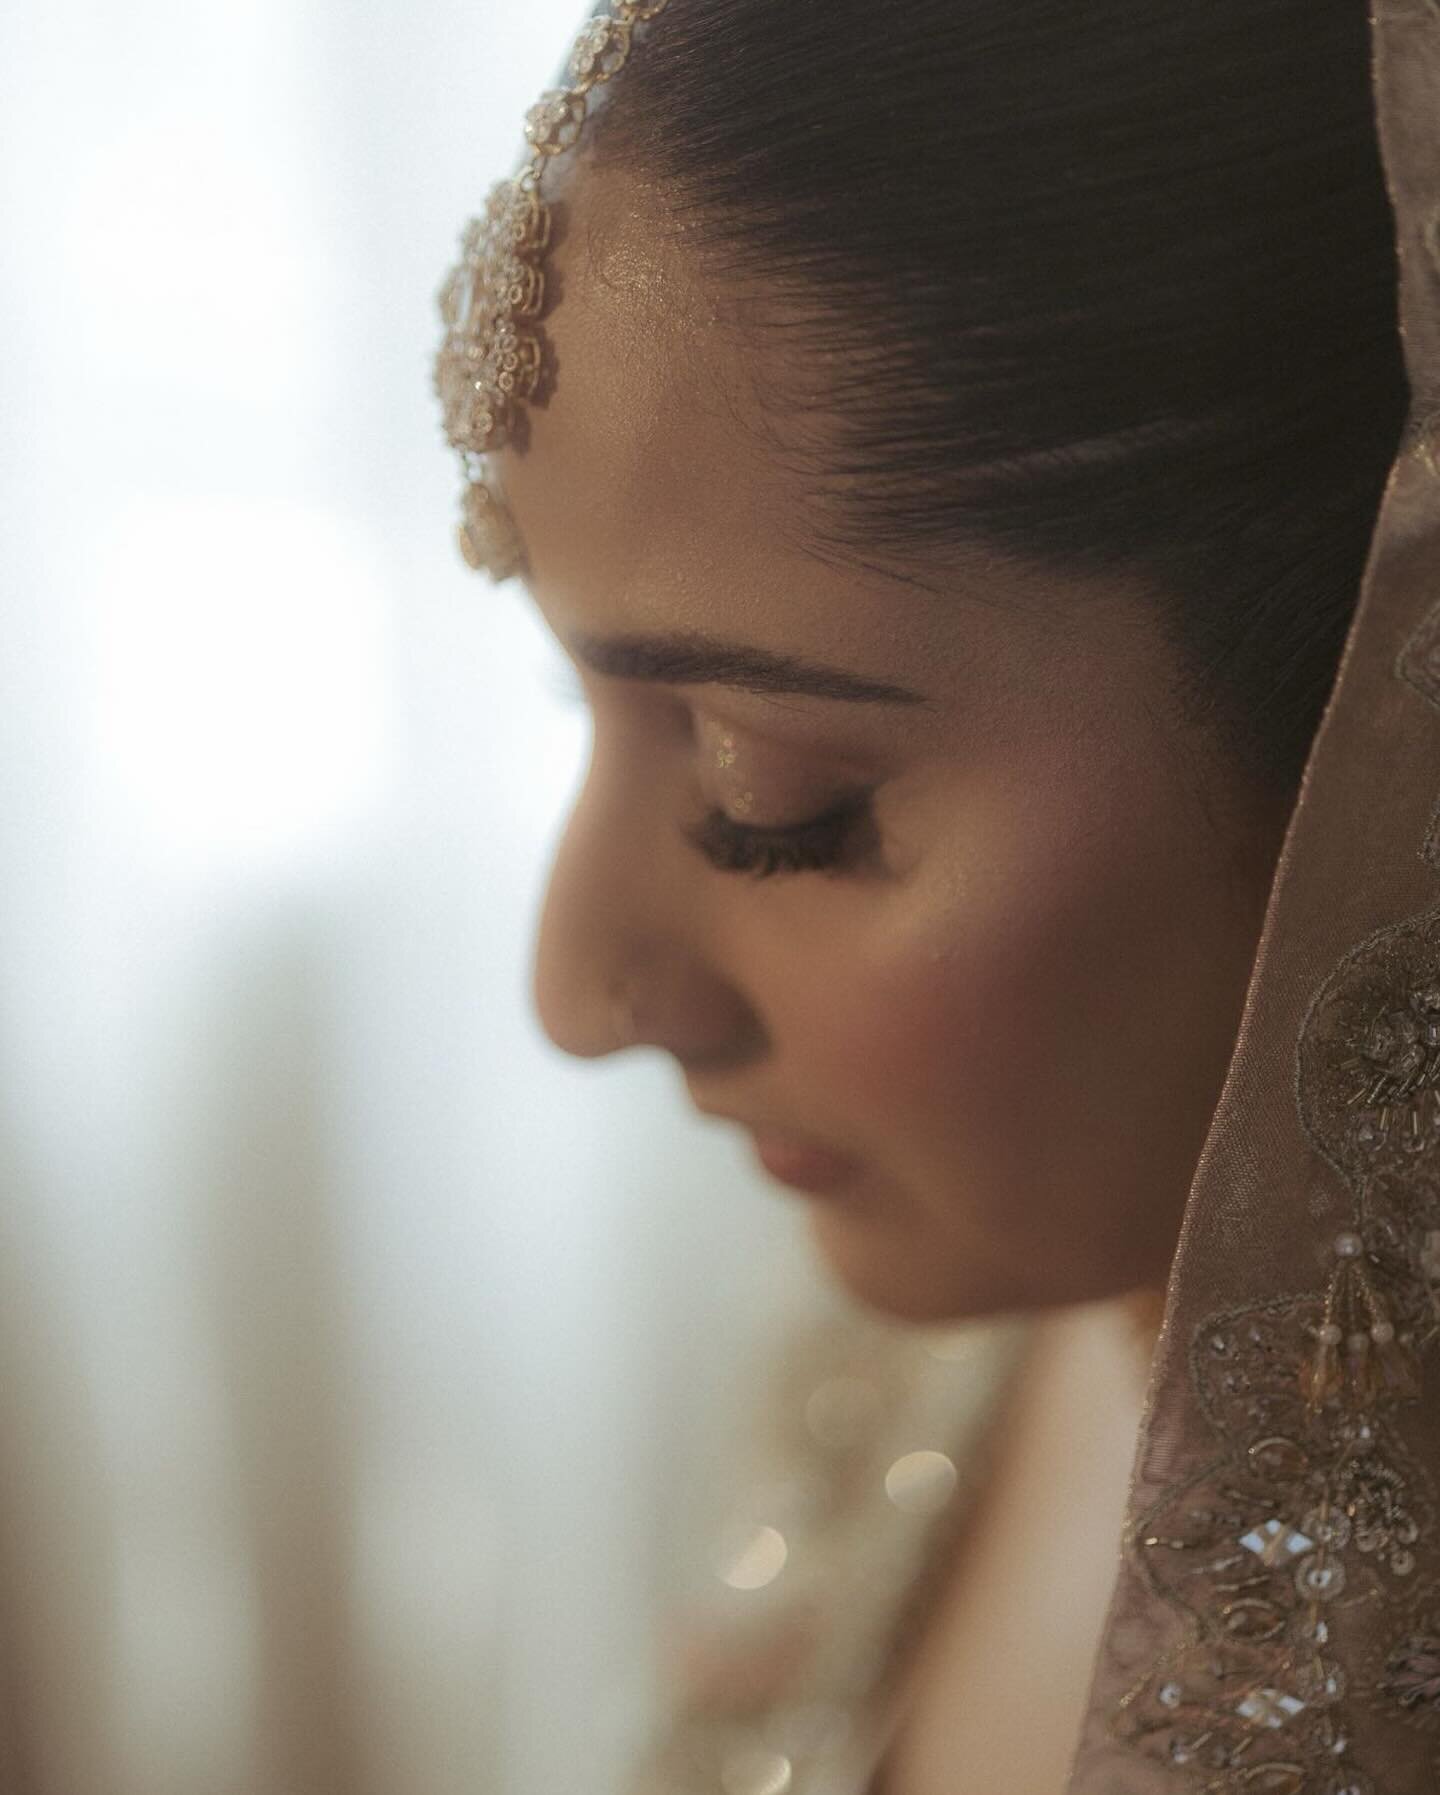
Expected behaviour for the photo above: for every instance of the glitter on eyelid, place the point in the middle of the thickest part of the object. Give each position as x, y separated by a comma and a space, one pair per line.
744, 804
725, 753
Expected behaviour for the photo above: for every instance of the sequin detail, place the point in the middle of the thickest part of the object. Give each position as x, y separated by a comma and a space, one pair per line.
1315, 1503
1314, 1506
1430, 849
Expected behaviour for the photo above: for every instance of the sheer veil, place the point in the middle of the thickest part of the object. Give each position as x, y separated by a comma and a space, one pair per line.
1275, 1628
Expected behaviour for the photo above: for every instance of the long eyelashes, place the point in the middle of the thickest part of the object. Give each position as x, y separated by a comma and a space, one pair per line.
841, 836
820, 844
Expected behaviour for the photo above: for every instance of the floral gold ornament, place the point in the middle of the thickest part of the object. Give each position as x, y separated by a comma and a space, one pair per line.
492, 358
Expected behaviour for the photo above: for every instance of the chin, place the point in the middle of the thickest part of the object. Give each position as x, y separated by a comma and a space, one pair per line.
903, 1273
903, 1278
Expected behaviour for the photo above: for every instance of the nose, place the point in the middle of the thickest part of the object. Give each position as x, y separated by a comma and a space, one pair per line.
620, 958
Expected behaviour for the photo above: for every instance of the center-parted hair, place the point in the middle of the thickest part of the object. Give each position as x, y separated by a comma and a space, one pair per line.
1108, 285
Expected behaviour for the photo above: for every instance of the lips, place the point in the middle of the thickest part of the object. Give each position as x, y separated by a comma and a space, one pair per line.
799, 1163
793, 1159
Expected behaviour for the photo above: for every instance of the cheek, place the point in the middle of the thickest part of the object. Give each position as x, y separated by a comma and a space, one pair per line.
954, 1015
962, 993
1025, 1047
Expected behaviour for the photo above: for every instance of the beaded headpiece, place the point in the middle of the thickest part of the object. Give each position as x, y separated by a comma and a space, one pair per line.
492, 357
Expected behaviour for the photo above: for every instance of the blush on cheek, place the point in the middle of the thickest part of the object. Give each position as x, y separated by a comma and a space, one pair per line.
929, 1036
1022, 1047
979, 1058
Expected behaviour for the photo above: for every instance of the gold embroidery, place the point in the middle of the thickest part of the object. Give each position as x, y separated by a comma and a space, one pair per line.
1315, 1506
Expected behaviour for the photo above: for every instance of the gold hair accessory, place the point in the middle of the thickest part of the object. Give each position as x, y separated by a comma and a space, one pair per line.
492, 355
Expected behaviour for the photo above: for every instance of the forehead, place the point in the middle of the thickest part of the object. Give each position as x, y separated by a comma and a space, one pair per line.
636, 473
650, 493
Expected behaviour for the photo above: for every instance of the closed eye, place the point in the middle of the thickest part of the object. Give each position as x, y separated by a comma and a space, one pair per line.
821, 843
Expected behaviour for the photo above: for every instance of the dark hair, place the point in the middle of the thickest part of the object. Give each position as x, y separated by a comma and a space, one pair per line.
1105, 284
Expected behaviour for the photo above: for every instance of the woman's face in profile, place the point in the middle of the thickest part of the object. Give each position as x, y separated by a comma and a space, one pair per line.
931, 887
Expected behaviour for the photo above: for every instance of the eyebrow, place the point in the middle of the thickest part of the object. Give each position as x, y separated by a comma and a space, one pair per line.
692, 659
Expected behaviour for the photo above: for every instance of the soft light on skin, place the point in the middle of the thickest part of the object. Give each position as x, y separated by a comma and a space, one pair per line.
1014, 1009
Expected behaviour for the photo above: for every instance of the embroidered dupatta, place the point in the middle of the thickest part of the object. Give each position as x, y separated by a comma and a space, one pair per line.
1276, 1626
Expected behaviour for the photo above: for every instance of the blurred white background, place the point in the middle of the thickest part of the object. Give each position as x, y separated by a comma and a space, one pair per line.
361, 1357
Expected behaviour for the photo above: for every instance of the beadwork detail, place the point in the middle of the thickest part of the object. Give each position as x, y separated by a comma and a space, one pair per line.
1412, 1674
492, 359
487, 537
1370, 1056
1430, 848
1314, 1504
